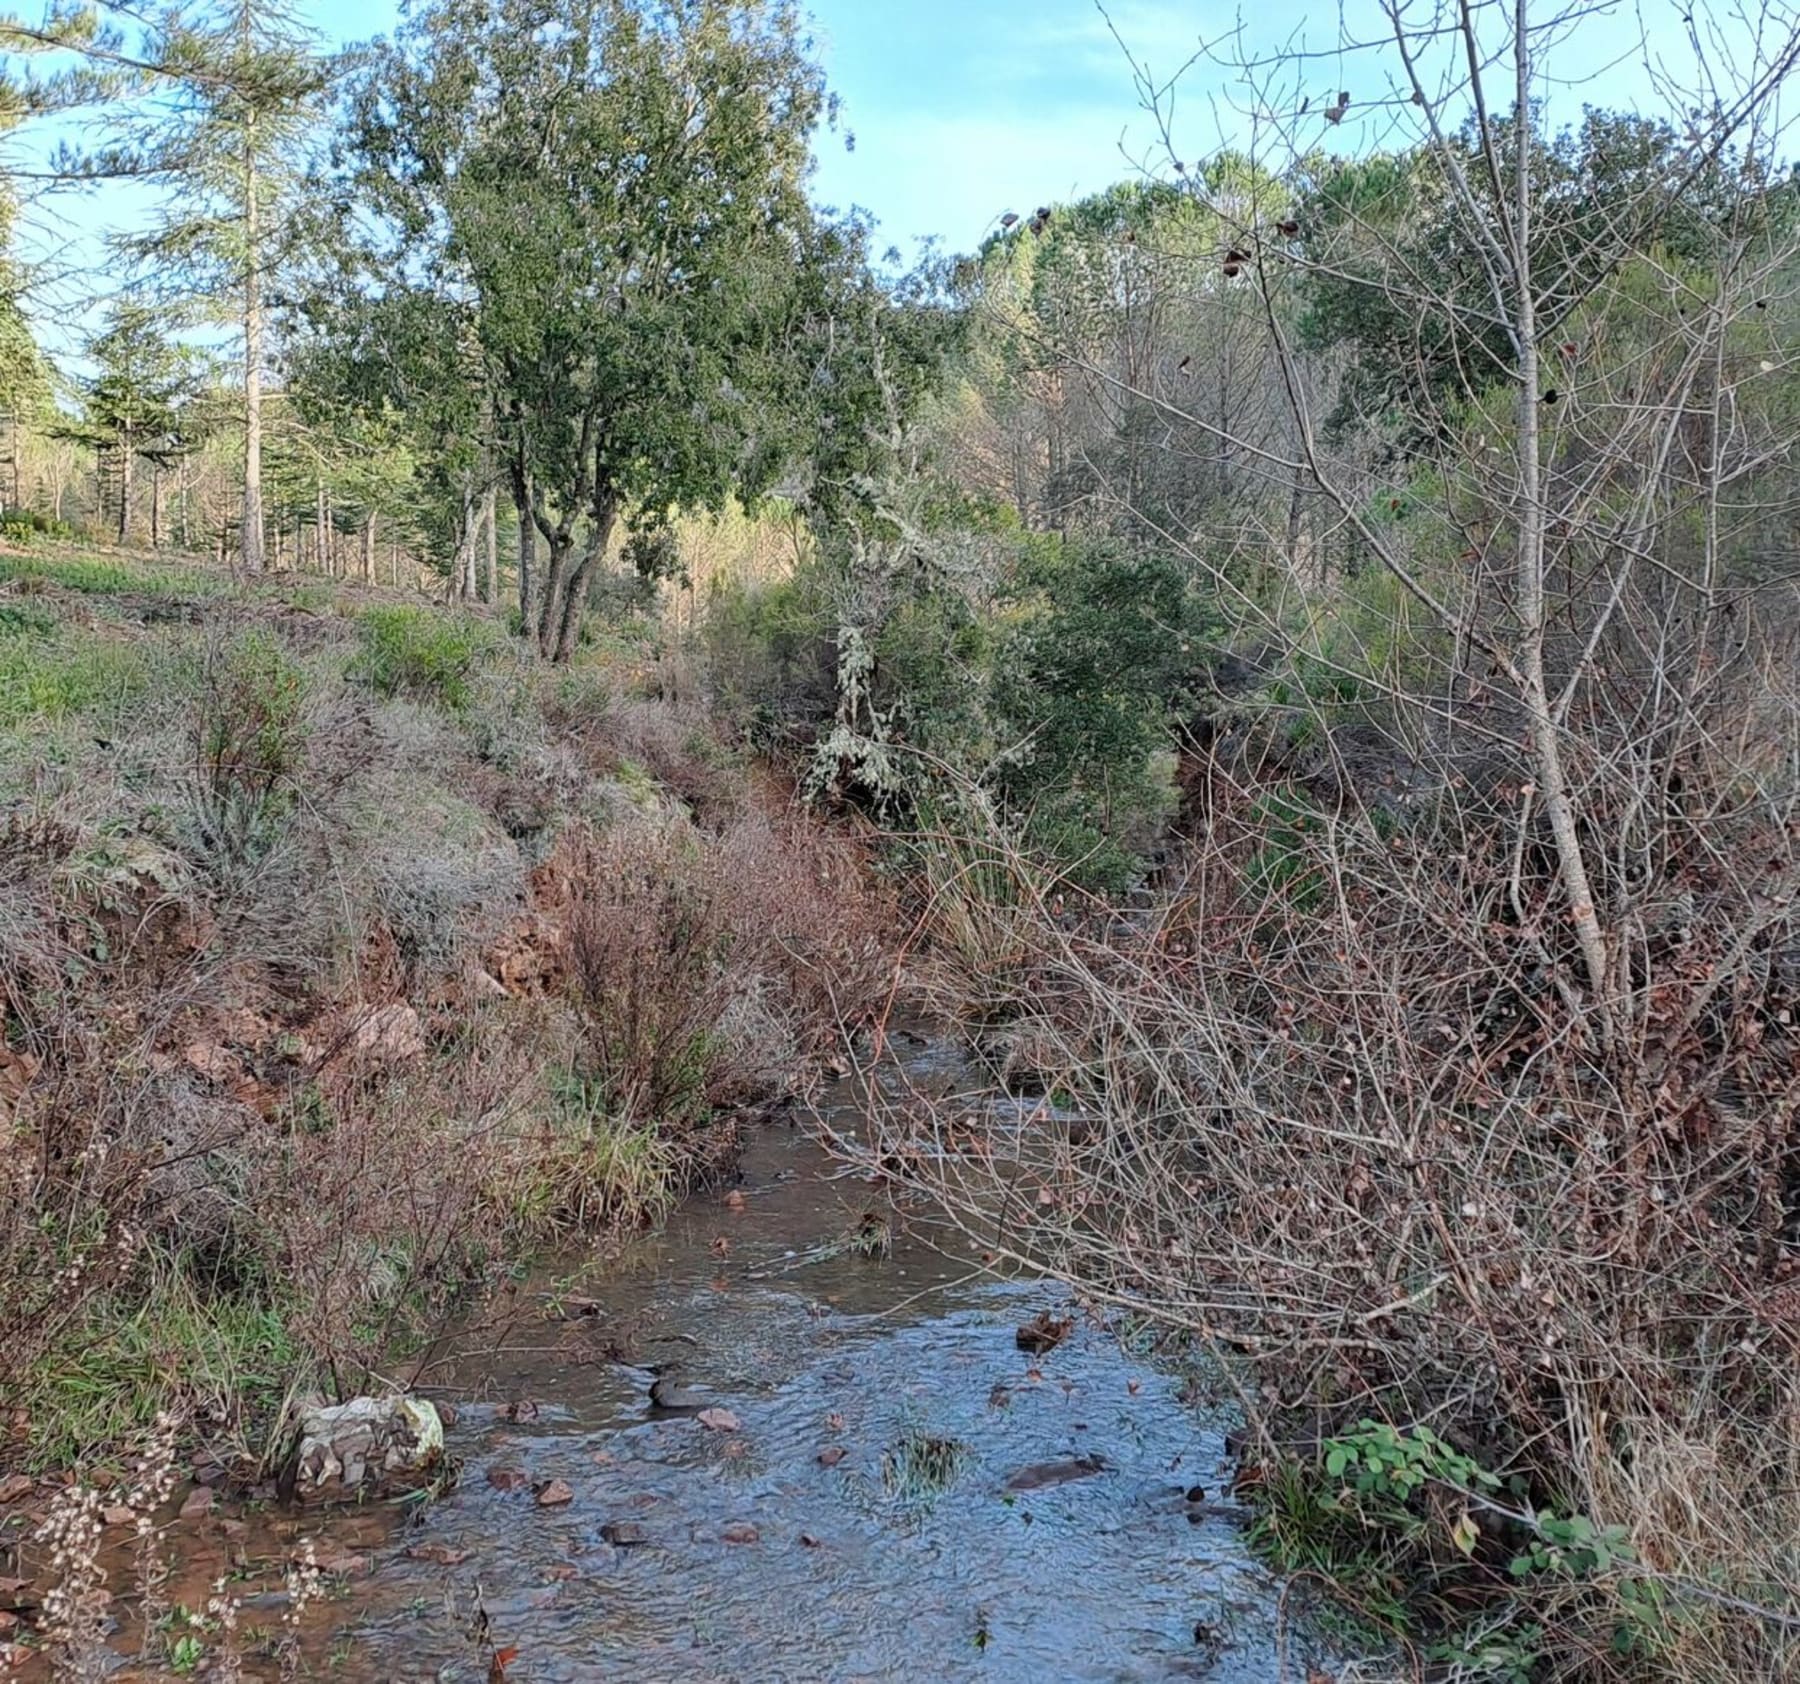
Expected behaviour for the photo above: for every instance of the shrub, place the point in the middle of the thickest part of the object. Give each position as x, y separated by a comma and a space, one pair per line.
248, 742
1337, 1119
418, 653
708, 968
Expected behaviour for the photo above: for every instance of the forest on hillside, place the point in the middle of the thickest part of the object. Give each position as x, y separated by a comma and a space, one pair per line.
1293, 655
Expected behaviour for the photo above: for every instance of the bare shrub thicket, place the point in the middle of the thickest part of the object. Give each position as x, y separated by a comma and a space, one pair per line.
711, 968
1452, 1083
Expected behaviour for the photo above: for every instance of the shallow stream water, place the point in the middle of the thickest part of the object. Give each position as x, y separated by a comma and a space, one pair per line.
889, 1495
894, 1490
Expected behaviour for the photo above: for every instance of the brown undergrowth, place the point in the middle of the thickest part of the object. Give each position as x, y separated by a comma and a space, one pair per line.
1511, 1300
345, 958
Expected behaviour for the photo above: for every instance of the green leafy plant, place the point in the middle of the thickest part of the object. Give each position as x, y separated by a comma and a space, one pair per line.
249, 739
417, 653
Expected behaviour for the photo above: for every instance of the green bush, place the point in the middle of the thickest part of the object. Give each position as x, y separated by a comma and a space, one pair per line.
1101, 648
249, 740
21, 526
418, 653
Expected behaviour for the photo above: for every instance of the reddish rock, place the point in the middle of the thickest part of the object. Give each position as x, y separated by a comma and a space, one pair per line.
554, 1495
741, 1532
335, 1562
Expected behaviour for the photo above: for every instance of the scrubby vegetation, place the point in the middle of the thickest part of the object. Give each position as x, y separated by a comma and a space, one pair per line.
1294, 655
343, 967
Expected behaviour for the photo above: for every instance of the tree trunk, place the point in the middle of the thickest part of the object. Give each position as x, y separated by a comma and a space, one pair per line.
321, 520
251, 536
528, 580
551, 591
1546, 740
489, 517
368, 551
156, 502
125, 459
568, 627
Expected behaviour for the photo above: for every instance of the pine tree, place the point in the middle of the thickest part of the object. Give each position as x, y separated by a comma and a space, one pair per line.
227, 143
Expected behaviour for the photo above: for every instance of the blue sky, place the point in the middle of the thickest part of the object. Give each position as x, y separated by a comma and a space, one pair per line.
965, 109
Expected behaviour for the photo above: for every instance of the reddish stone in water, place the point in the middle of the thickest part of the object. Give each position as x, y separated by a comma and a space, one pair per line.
554, 1494
741, 1532
831, 1455
439, 1555
508, 1479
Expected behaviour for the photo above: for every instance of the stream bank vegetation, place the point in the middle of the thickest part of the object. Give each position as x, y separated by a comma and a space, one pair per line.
349, 957
1296, 652
1420, 527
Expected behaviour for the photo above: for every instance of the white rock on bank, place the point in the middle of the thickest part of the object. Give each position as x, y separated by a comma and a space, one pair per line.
346, 1447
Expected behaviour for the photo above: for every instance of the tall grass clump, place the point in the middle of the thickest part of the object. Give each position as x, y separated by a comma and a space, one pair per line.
417, 653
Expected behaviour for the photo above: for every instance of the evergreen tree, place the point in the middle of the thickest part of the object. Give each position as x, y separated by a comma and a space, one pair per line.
138, 405
226, 142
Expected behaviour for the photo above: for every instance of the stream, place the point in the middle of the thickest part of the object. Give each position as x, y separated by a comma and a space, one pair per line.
895, 1490
863, 1477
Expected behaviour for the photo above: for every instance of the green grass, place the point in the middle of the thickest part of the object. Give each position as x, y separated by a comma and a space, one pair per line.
420, 653
137, 1352
91, 576
52, 676
598, 1168
922, 1467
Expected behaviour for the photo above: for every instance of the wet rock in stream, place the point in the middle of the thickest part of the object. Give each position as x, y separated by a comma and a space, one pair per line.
366, 1446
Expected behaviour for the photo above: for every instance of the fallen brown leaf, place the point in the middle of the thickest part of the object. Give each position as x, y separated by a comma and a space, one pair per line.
439, 1555
198, 1504
734, 1200
15, 1486
508, 1479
